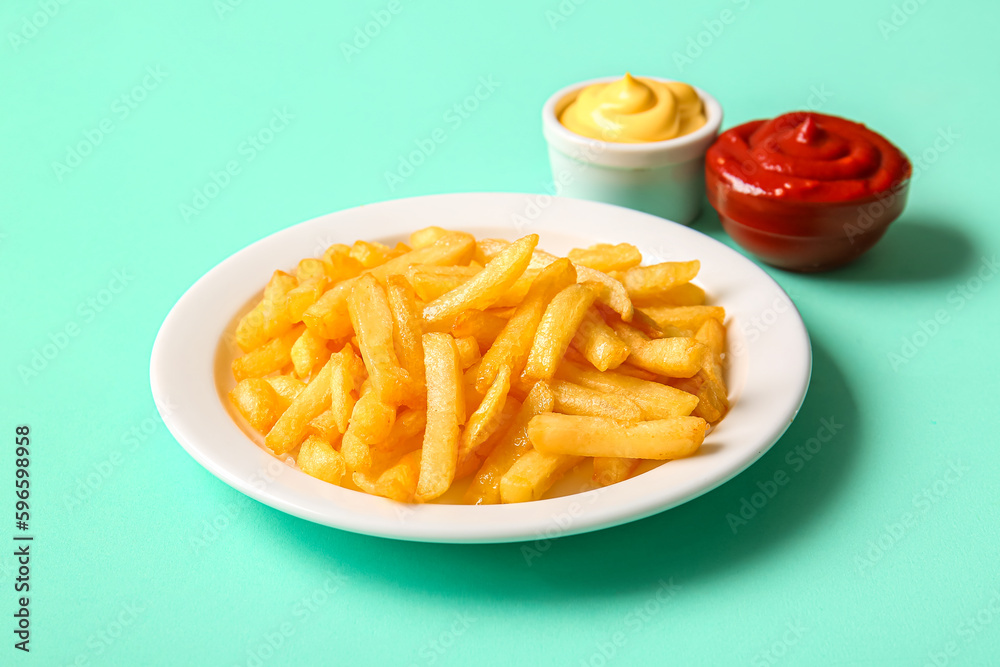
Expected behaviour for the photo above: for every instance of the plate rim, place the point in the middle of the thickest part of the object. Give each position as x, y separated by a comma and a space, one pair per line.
590, 518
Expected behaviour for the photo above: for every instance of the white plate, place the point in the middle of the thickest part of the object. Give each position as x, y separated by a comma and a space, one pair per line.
768, 370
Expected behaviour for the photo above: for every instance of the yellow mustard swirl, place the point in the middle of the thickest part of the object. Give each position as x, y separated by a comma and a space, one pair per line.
634, 110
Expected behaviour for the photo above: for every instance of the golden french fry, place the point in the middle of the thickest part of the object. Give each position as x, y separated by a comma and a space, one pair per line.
430, 282
370, 254
670, 357
483, 326
263, 321
610, 470
486, 417
258, 402
606, 257
633, 371
487, 286
371, 421
309, 268
347, 372
713, 396
445, 414
657, 401
426, 236
644, 282
469, 461
406, 435
308, 352
533, 474
325, 426
513, 346
598, 342
468, 351
515, 293
268, 358
661, 439
575, 399
485, 486
303, 295
319, 459
407, 331
371, 316
613, 294
286, 386
556, 329
684, 317
289, 431
329, 317
339, 265
398, 482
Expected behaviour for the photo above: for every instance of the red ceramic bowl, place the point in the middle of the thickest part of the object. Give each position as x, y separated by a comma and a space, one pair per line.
806, 192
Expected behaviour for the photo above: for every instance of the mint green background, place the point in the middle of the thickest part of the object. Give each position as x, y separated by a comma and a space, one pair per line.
798, 561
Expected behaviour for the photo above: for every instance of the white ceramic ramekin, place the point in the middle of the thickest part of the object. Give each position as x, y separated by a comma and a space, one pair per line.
665, 178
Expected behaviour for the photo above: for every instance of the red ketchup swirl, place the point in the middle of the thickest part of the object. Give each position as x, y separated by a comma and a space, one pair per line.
804, 175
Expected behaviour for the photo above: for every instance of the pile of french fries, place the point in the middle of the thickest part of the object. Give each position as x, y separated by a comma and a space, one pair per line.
399, 371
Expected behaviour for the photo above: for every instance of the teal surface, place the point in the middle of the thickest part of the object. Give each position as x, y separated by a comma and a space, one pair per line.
881, 546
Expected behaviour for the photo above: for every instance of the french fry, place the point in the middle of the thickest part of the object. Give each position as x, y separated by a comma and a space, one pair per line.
339, 265
670, 357
289, 431
286, 387
430, 282
319, 459
371, 317
661, 439
470, 461
325, 426
398, 482
687, 294
657, 401
645, 282
487, 286
610, 470
606, 257
329, 318
406, 331
486, 417
575, 399
485, 486
468, 351
445, 414
598, 342
483, 326
302, 296
347, 372
406, 435
513, 345
426, 236
685, 317
556, 329
258, 402
371, 421
268, 358
371, 254
713, 396
309, 268
614, 295
533, 474
262, 322
515, 293
308, 351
